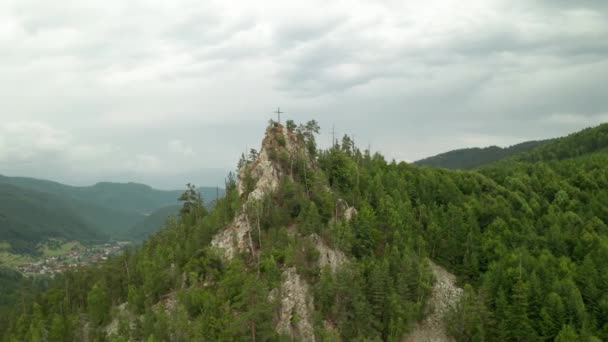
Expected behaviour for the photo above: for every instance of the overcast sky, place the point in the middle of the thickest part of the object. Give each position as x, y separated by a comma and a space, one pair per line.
167, 92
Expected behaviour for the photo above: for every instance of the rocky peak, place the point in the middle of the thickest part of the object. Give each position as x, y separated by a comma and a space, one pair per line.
284, 153
281, 149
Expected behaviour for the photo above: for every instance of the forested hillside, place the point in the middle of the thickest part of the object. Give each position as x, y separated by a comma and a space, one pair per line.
333, 245
578, 144
33, 210
126, 197
28, 217
152, 223
15, 288
470, 158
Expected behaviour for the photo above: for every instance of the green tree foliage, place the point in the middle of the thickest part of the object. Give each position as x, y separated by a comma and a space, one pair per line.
98, 304
528, 235
567, 334
33, 211
470, 158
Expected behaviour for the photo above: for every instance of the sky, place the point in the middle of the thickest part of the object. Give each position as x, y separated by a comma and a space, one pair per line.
170, 92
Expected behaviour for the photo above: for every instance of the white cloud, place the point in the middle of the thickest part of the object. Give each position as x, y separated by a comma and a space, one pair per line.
114, 81
27, 140
144, 163
180, 148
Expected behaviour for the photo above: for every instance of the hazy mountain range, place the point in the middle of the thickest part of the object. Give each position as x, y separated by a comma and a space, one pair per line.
33, 210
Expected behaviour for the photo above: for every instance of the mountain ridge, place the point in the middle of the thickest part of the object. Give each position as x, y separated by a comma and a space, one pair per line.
474, 157
101, 211
526, 236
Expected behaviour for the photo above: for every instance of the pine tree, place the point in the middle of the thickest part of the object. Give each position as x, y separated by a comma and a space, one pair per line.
520, 328
552, 316
378, 289
567, 334
58, 331
36, 331
98, 304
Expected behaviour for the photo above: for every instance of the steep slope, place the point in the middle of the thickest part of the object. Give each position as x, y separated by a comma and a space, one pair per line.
470, 158
258, 179
278, 258
273, 259
444, 297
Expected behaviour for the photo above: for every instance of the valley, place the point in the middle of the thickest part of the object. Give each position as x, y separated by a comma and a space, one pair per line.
57, 256
65, 256
315, 171
340, 244
48, 227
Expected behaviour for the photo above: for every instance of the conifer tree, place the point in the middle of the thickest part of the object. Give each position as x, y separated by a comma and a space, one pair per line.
520, 328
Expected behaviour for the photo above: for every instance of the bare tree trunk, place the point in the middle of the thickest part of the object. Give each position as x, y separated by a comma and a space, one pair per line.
252, 324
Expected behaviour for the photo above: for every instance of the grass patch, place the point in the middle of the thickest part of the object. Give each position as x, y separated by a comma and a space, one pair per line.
54, 249
4, 246
13, 260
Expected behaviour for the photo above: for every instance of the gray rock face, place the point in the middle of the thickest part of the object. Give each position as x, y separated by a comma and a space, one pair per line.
296, 301
295, 316
112, 328
327, 255
267, 175
444, 296
350, 213
233, 238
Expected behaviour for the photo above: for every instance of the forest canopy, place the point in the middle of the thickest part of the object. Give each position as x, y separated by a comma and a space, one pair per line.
527, 237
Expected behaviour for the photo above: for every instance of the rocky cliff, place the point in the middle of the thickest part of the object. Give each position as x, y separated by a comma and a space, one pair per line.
281, 149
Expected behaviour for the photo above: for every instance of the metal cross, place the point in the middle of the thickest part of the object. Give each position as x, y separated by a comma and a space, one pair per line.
279, 114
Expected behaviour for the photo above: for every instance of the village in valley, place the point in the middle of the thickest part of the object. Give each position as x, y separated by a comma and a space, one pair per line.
71, 255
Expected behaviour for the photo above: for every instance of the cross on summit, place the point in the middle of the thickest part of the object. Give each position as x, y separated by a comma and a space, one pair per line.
278, 112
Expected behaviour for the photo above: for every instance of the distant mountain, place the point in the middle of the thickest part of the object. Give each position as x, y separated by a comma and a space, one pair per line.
130, 197
125, 197
152, 223
587, 141
470, 158
34, 210
28, 217
346, 237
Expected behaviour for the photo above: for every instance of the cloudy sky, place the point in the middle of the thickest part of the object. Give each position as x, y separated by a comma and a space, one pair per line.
166, 92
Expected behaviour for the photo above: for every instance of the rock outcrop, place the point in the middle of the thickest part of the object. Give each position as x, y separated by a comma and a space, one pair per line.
233, 238
344, 211
295, 315
280, 150
444, 296
266, 175
328, 257
350, 213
